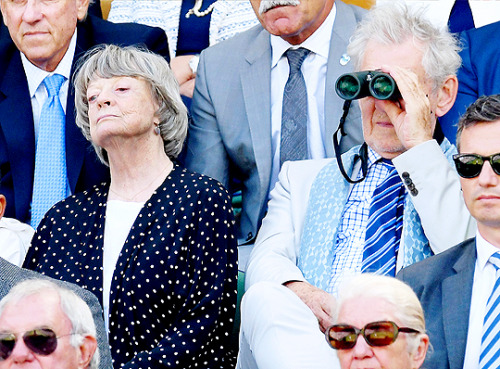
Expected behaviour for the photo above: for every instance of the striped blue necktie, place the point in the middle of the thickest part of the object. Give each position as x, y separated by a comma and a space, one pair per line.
50, 180
293, 144
385, 222
490, 341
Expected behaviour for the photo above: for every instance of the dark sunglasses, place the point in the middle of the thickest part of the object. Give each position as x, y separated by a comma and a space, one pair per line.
41, 341
470, 165
376, 334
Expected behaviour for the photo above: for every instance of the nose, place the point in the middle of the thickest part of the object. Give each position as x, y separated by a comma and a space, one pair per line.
32, 11
104, 98
362, 350
21, 353
487, 177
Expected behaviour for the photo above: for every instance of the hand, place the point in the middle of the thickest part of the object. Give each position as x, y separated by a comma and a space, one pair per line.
320, 302
187, 88
182, 70
412, 117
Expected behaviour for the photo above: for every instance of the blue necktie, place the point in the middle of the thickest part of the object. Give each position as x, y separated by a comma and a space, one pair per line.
293, 145
490, 341
460, 17
385, 222
50, 180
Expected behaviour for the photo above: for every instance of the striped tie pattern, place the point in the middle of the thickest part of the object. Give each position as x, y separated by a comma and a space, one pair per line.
50, 180
385, 222
490, 341
293, 145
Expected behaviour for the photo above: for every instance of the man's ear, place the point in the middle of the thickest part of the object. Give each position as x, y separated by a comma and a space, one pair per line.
3, 205
447, 95
418, 356
87, 351
82, 8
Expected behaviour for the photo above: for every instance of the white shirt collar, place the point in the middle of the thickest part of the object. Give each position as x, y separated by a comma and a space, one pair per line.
36, 75
318, 42
484, 250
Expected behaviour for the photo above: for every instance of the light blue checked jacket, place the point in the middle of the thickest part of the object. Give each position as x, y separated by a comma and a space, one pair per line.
297, 237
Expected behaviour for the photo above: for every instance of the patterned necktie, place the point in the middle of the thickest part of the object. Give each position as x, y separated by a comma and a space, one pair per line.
385, 222
293, 144
460, 17
490, 341
50, 181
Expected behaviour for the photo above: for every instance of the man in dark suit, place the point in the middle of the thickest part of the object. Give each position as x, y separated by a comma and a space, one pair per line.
459, 287
10, 275
47, 38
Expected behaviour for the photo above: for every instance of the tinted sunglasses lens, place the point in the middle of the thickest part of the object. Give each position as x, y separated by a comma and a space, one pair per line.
468, 166
380, 333
7, 343
342, 337
495, 163
41, 341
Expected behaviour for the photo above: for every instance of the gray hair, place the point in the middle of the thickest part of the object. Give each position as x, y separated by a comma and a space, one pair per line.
394, 24
407, 308
484, 109
110, 61
77, 310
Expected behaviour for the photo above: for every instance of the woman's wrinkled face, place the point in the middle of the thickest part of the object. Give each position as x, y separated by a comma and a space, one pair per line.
120, 108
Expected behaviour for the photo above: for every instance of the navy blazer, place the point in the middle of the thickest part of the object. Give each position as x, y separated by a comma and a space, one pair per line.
17, 137
479, 74
443, 284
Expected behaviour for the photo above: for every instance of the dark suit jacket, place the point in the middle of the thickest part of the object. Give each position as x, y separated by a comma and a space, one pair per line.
479, 74
443, 284
10, 275
17, 138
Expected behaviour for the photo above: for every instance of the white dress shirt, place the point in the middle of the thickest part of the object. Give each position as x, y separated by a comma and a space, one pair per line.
314, 72
484, 281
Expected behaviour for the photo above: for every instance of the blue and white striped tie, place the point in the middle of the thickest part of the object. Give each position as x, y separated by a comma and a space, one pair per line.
50, 179
385, 222
490, 341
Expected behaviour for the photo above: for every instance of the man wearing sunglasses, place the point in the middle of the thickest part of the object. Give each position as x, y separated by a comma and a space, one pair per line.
43, 325
459, 288
316, 232
379, 323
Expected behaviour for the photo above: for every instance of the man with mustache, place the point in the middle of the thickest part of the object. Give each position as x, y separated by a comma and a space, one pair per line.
43, 154
459, 288
239, 108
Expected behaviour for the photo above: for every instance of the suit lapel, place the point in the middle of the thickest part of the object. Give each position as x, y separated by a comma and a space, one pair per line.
76, 144
256, 86
456, 296
17, 124
344, 24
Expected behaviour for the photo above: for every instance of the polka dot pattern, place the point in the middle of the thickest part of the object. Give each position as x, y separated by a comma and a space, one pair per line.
173, 293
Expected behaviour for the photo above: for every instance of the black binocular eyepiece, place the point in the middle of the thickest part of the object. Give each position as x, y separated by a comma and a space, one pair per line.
380, 85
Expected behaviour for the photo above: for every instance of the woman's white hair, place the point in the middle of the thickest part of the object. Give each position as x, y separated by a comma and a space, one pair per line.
108, 61
407, 308
77, 310
394, 24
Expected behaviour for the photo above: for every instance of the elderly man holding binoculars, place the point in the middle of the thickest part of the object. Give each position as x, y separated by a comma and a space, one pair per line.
381, 206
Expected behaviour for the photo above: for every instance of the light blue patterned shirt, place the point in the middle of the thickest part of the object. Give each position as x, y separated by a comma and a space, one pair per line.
350, 240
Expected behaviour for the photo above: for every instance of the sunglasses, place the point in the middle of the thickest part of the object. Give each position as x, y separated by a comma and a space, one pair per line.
41, 341
470, 165
376, 334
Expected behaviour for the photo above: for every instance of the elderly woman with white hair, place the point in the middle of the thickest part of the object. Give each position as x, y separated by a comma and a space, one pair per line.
388, 315
156, 245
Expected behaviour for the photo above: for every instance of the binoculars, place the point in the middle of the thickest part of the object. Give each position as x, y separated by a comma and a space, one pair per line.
380, 85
